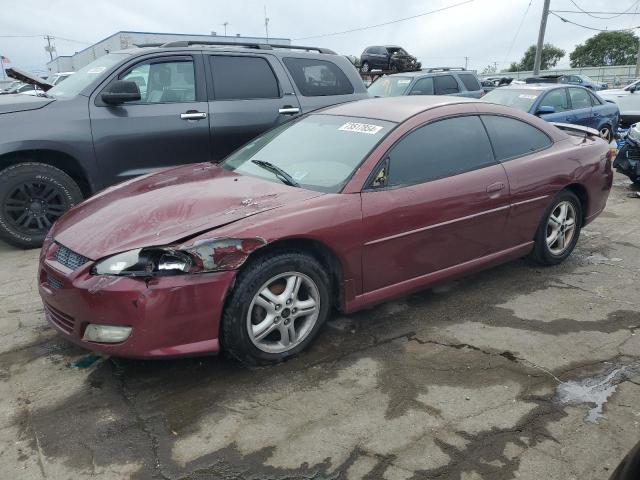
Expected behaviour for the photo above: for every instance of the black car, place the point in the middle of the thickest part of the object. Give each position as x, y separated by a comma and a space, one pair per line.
139, 110
390, 57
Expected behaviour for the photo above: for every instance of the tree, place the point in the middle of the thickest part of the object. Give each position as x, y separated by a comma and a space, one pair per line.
606, 48
551, 55
489, 70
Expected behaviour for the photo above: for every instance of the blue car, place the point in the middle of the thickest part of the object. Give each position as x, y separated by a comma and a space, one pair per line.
561, 103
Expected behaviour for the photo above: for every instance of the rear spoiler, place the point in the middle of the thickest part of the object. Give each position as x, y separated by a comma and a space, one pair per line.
567, 127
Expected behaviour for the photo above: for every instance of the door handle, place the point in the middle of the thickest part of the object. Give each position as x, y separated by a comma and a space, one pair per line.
193, 115
289, 110
495, 187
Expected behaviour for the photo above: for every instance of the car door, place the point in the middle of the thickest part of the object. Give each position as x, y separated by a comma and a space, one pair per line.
422, 86
248, 96
381, 58
446, 85
434, 202
168, 126
580, 113
524, 152
559, 100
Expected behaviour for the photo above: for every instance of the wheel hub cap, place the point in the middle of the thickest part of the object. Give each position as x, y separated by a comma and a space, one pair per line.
32, 207
561, 228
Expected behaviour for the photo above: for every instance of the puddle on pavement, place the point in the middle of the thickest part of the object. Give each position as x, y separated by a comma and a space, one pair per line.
595, 390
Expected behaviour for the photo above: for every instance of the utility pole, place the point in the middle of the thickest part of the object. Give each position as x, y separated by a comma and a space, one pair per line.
540, 46
466, 63
638, 62
49, 48
225, 28
266, 23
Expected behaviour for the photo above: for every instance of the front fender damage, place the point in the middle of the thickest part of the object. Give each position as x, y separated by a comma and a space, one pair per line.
223, 253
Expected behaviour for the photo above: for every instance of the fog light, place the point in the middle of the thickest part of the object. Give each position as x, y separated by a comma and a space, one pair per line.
106, 333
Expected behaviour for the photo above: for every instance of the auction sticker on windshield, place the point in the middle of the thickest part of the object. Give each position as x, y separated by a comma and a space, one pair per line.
527, 96
361, 128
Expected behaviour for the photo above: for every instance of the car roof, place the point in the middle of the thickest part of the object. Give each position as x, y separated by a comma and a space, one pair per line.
287, 51
427, 73
538, 86
394, 109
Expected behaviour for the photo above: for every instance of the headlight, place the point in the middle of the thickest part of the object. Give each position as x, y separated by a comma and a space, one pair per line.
144, 262
634, 133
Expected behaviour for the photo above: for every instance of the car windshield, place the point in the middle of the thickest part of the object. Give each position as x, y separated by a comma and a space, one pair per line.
320, 152
522, 99
633, 84
389, 86
88, 74
587, 79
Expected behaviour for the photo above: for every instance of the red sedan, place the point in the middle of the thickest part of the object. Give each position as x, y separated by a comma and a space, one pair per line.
346, 207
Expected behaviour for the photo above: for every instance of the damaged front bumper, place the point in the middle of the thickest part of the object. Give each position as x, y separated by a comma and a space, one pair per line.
169, 316
627, 161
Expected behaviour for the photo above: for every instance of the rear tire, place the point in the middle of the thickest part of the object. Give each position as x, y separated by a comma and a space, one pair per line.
606, 133
559, 230
267, 318
32, 197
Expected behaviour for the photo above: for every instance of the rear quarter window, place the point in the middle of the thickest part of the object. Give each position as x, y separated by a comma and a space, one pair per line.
513, 138
469, 81
317, 78
242, 78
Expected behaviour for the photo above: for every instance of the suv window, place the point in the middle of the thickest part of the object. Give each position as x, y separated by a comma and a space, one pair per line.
470, 81
315, 78
556, 99
579, 98
445, 85
513, 138
164, 81
435, 151
423, 86
242, 78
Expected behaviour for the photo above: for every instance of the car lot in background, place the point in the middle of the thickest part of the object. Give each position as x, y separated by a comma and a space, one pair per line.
434, 81
132, 112
578, 79
334, 210
60, 77
628, 101
389, 58
560, 103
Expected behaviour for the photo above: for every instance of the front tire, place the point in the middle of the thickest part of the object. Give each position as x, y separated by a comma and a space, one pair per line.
276, 309
559, 230
32, 197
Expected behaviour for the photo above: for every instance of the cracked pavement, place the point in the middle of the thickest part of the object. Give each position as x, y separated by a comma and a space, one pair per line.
470, 380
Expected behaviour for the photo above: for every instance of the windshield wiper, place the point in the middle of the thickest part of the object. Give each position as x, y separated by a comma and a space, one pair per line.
283, 176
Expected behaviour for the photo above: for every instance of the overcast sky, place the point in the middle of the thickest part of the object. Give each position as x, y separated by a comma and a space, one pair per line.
483, 30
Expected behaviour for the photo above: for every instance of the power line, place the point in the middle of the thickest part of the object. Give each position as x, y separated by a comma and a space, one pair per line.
592, 28
601, 13
44, 35
517, 32
385, 23
602, 18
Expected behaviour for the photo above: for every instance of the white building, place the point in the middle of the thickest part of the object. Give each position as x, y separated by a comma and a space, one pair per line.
123, 40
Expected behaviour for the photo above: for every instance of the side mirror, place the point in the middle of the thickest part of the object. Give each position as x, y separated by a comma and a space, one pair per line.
544, 109
121, 91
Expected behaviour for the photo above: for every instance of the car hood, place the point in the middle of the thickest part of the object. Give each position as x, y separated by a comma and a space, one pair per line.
28, 78
168, 207
613, 92
21, 103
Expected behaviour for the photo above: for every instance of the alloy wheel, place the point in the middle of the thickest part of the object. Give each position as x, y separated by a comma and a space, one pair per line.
561, 228
283, 312
33, 206
605, 133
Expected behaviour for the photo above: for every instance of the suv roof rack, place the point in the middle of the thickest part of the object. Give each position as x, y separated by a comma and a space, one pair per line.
258, 46
443, 69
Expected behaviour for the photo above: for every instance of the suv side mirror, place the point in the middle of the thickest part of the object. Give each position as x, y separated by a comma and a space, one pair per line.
121, 91
544, 109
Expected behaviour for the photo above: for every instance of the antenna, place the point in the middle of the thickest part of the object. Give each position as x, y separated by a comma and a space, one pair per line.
266, 23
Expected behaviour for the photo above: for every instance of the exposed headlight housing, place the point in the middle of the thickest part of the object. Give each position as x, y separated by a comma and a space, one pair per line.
145, 262
106, 333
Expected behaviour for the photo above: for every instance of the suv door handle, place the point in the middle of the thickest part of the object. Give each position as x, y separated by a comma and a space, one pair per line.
289, 110
193, 115
495, 187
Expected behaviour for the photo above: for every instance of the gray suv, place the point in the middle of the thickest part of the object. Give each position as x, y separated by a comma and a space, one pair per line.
139, 110
432, 81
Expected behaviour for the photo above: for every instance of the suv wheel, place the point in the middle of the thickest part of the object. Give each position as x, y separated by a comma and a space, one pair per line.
365, 67
32, 197
276, 308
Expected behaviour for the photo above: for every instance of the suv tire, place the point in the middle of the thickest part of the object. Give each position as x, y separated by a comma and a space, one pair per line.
32, 197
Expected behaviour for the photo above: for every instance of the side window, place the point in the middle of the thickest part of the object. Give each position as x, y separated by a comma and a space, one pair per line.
243, 78
316, 78
470, 81
556, 99
595, 101
579, 98
423, 86
445, 85
164, 82
435, 151
513, 138
575, 79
